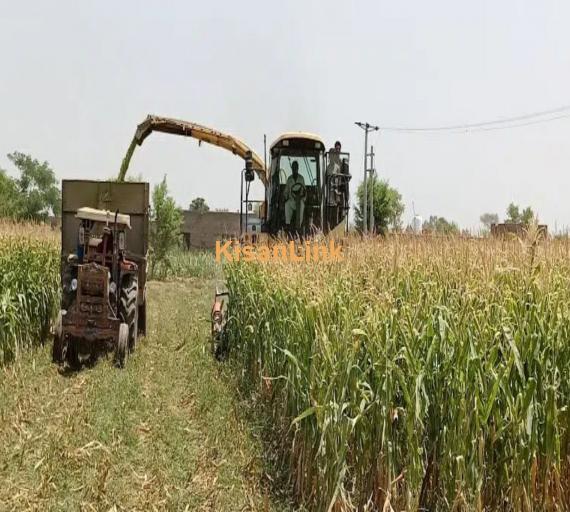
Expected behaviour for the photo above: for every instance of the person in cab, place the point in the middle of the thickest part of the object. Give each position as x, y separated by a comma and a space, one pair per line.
295, 193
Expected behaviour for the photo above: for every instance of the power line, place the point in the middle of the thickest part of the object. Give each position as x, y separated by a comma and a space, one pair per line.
518, 125
490, 125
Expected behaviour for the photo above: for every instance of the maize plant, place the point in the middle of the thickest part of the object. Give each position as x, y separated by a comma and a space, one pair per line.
417, 374
29, 288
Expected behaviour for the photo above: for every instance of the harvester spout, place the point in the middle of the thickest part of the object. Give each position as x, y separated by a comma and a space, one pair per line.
196, 131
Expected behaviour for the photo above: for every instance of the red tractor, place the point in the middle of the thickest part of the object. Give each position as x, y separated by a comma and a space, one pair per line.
100, 292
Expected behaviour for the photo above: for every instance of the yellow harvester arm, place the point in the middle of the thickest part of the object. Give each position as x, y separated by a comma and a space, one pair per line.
197, 131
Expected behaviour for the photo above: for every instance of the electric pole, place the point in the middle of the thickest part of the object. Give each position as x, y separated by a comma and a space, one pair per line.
372, 183
367, 127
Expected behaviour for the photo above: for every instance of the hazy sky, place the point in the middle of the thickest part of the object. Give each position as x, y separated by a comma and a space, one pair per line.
77, 77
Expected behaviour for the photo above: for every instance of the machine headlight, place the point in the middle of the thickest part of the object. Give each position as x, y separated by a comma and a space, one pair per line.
113, 287
73, 285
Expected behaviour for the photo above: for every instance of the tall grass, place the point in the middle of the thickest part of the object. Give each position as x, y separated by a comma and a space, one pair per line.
417, 374
29, 286
185, 264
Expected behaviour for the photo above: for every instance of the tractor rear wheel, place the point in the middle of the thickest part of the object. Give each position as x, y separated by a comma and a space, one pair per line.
128, 308
122, 349
57, 354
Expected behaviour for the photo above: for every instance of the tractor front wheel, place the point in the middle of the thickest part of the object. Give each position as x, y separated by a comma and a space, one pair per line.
57, 350
122, 349
128, 308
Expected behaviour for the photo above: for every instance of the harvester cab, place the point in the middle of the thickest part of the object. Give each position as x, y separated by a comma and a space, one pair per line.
100, 291
308, 187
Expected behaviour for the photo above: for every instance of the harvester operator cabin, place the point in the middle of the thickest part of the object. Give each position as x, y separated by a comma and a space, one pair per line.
317, 264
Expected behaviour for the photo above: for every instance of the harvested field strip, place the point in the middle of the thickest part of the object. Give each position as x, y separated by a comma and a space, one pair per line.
420, 373
165, 433
29, 287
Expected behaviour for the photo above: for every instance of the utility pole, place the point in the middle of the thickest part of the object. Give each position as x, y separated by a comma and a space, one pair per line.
372, 181
367, 127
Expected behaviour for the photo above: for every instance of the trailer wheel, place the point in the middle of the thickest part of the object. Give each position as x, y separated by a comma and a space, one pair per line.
57, 350
128, 308
122, 349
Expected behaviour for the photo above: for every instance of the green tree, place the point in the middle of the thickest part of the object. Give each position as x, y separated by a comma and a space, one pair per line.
37, 188
388, 206
527, 216
10, 205
440, 225
166, 221
515, 216
199, 205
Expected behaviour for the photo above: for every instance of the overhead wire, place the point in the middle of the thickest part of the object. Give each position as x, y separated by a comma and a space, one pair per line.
496, 124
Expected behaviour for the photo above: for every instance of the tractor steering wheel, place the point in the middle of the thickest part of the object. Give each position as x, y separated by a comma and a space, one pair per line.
298, 191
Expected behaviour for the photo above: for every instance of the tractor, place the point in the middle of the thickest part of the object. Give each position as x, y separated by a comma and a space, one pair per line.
102, 306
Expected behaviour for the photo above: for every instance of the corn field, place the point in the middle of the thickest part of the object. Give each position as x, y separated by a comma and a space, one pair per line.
184, 264
417, 374
29, 286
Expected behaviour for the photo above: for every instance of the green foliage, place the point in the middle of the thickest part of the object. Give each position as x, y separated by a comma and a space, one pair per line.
515, 216
527, 216
513, 213
199, 205
35, 192
166, 221
29, 292
183, 264
440, 226
9, 204
388, 206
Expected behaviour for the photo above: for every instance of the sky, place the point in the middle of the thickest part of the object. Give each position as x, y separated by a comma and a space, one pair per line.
77, 77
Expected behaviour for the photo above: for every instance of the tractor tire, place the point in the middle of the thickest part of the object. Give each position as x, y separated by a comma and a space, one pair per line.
128, 308
122, 349
57, 354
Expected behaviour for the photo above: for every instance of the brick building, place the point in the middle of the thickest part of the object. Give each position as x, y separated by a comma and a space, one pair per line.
506, 229
201, 230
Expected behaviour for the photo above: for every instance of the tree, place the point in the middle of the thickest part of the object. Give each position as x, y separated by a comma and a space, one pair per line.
440, 225
166, 221
527, 216
514, 215
487, 219
37, 188
199, 205
388, 206
10, 205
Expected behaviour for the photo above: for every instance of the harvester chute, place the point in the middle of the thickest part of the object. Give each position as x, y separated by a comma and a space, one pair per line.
196, 131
